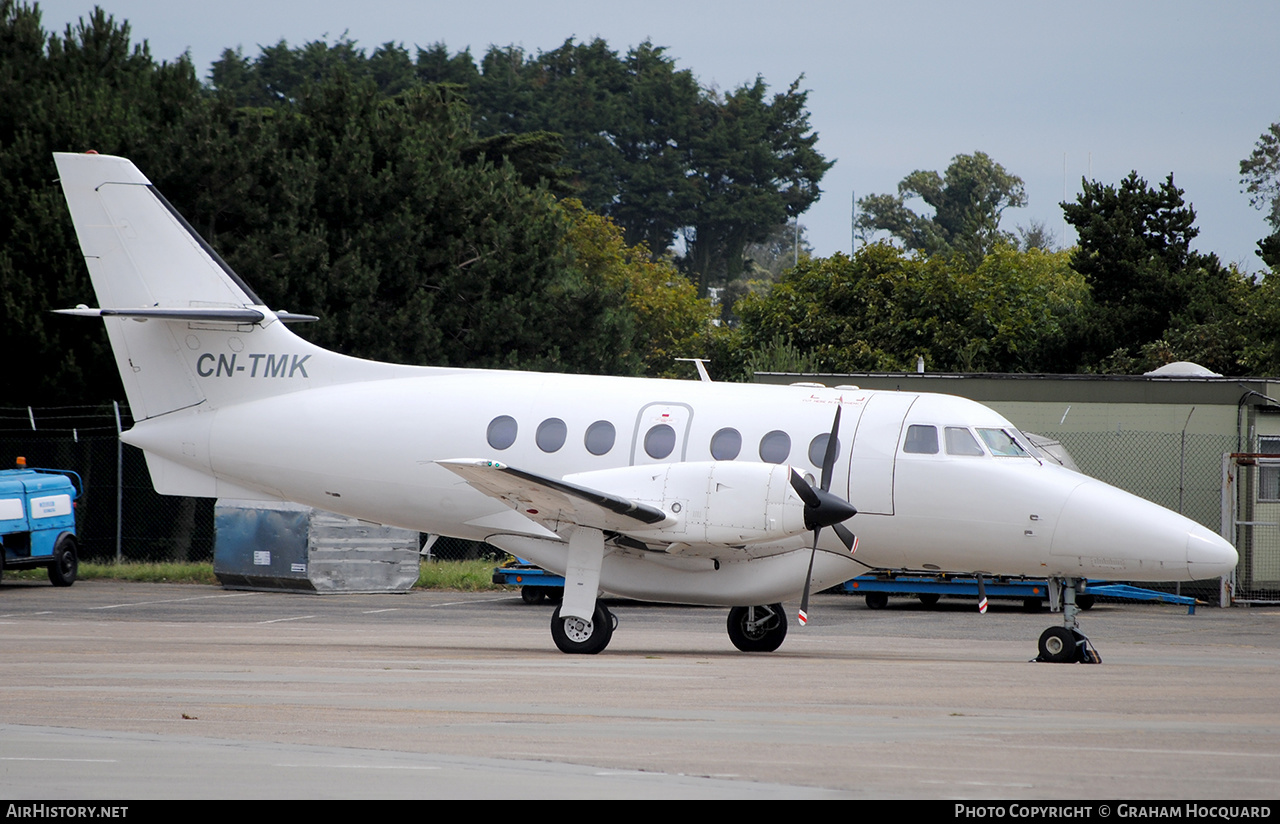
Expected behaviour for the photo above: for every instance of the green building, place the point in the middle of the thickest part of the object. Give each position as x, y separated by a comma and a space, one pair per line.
1201, 444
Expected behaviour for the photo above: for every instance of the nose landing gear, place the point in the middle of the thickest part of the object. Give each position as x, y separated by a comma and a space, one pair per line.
1066, 644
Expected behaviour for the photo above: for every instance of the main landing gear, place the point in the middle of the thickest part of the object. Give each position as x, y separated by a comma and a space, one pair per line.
576, 635
757, 629
1066, 644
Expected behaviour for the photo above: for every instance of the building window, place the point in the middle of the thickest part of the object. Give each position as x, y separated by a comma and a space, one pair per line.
1269, 469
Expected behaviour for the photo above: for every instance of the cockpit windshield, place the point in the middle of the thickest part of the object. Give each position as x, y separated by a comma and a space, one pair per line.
1002, 443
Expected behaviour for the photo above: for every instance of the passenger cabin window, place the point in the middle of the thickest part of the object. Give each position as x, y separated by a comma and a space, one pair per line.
818, 449
600, 438
921, 440
502, 432
960, 441
659, 441
1002, 444
551, 434
726, 444
775, 447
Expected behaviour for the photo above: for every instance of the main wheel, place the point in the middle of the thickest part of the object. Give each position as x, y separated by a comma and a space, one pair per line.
66, 563
1059, 645
578, 637
757, 629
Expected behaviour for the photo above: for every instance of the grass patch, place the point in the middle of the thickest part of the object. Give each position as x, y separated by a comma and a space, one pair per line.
152, 573
464, 576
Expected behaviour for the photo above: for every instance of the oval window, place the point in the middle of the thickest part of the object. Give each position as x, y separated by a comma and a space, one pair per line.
818, 449
502, 432
550, 435
726, 444
775, 447
659, 441
600, 437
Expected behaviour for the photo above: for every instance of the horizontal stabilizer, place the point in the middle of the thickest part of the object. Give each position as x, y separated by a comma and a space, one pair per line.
551, 501
217, 314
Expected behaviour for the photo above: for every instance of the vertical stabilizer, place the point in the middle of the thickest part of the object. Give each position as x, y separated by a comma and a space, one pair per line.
185, 329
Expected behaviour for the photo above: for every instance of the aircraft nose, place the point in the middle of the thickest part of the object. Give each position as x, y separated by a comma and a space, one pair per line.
1209, 555
1111, 527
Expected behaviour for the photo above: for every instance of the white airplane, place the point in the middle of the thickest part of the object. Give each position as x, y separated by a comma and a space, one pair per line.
675, 491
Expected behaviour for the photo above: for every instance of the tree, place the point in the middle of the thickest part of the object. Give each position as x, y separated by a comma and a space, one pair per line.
967, 202
882, 308
1260, 174
1135, 252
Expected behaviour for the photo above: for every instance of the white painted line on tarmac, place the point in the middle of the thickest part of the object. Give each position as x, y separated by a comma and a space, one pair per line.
282, 620
178, 600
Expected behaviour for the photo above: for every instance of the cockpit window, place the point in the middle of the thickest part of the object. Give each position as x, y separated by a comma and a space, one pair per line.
960, 441
921, 440
1002, 444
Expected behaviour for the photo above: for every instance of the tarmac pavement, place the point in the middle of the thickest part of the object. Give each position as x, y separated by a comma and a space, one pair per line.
131, 691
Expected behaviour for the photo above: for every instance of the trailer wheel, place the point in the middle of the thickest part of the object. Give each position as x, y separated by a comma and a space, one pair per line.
877, 600
66, 562
929, 599
531, 595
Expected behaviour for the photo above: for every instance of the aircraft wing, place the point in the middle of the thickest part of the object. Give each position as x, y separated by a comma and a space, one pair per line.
551, 501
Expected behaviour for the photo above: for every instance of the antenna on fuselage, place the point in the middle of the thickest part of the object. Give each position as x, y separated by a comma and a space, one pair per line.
701, 363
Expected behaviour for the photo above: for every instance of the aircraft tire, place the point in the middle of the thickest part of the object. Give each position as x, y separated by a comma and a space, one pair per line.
577, 637
765, 634
1059, 645
66, 563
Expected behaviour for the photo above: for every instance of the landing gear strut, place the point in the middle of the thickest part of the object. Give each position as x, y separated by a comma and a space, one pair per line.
1066, 644
757, 629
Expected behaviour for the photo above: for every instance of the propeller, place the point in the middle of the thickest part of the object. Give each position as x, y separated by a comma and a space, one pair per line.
982, 596
822, 509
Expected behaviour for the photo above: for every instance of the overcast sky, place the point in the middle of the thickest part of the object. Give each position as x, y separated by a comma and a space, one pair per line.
1053, 91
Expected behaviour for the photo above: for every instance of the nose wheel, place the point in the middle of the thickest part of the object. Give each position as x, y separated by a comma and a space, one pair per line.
1066, 644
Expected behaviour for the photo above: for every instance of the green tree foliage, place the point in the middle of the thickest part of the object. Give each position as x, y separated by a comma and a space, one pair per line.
641, 142
413, 238
882, 308
670, 320
967, 203
1260, 175
1147, 283
89, 87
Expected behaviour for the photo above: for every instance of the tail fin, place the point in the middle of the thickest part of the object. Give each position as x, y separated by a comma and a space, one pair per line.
185, 329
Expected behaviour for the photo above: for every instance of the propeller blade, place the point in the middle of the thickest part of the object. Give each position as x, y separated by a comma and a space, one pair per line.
849, 540
982, 596
833, 448
808, 582
804, 490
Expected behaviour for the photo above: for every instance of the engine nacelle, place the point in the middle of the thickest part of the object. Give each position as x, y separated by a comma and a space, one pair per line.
720, 503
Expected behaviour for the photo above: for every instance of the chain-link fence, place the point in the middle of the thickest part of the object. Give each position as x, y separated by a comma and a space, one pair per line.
121, 513
1254, 507
118, 514
1182, 472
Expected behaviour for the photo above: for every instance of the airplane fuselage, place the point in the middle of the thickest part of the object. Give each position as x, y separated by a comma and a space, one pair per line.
326, 447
